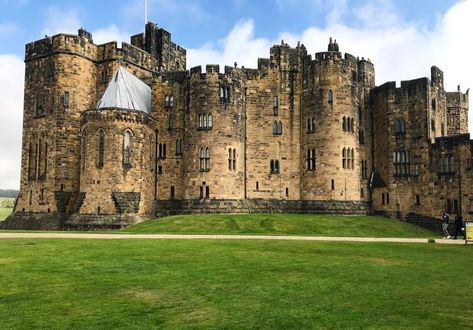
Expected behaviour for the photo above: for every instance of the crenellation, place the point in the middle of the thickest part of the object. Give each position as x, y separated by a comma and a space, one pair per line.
297, 134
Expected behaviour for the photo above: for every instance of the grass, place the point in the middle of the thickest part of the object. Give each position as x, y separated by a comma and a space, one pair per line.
112, 284
5, 212
282, 224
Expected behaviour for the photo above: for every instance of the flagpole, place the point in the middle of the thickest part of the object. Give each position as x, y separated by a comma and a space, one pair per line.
146, 12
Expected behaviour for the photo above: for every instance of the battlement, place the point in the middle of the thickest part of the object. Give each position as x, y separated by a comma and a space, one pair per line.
214, 69
458, 99
114, 114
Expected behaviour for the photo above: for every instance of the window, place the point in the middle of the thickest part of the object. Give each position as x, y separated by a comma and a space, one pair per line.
311, 160
348, 125
399, 128
382, 199
387, 198
287, 192
333, 184
348, 158
344, 124
402, 163
257, 185
432, 125
41, 196
205, 121
101, 148
275, 105
179, 147
127, 148
39, 105
447, 164
310, 125
204, 191
274, 166
173, 192
65, 100
204, 159
434, 105
224, 94
364, 168
330, 97
277, 128
442, 129
169, 101
170, 122
232, 159
417, 200
43, 160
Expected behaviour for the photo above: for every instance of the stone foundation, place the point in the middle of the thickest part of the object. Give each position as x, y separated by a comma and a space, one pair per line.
32, 221
209, 206
101, 221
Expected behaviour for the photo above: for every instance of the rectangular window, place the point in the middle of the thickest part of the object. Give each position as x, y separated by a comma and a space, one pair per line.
172, 192
382, 199
207, 192
65, 100
201, 192
387, 198
417, 200
333, 184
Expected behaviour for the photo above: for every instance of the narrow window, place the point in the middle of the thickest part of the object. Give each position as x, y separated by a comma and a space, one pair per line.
230, 159
287, 192
201, 121
171, 101
207, 192
101, 148
172, 192
280, 128
417, 200
201, 192
210, 121
127, 148
387, 198
84, 150
344, 124
344, 158
65, 99
275, 128
257, 188
434, 105
330, 97
382, 199
275, 102
234, 159
333, 184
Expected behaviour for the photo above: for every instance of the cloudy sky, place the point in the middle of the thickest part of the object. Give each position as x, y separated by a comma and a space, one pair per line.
403, 38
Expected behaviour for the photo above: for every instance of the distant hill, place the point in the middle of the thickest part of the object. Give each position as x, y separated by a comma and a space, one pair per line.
9, 193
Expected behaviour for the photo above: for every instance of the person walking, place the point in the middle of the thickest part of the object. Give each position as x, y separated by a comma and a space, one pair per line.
445, 221
459, 227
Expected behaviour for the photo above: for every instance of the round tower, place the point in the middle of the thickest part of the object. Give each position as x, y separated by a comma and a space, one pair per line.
118, 146
330, 149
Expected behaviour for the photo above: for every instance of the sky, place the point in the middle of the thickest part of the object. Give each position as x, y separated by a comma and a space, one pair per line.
403, 38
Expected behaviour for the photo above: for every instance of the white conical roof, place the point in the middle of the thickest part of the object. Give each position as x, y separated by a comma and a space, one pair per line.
126, 91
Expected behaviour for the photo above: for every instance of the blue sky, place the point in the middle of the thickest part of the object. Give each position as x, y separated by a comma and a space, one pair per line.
193, 23
403, 38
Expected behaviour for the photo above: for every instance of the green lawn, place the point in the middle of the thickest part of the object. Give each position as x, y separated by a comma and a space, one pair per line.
283, 224
116, 284
5, 212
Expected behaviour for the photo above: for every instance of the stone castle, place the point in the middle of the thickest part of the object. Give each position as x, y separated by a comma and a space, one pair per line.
114, 135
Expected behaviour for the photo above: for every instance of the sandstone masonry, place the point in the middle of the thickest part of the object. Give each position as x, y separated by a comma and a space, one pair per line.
297, 134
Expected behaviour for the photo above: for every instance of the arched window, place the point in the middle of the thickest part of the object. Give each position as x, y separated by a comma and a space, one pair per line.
352, 125
280, 128
204, 159
210, 121
311, 160
344, 158
101, 148
399, 128
201, 121
204, 116
330, 97
127, 148
207, 159
344, 124
222, 92
171, 101
275, 127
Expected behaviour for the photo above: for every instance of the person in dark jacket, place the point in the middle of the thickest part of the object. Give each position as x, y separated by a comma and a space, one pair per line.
459, 227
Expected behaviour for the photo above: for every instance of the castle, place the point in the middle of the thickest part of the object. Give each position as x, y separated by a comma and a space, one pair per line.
114, 135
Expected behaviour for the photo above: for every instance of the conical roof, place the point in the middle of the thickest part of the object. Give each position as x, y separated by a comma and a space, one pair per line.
126, 91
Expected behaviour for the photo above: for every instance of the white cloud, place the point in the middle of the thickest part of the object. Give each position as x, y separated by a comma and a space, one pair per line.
11, 114
111, 33
61, 21
399, 50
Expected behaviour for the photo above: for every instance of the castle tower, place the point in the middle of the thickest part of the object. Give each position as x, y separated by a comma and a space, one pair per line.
118, 146
336, 146
457, 112
59, 86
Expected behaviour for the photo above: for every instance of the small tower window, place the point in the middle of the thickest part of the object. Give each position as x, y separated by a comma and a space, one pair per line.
101, 148
127, 148
330, 97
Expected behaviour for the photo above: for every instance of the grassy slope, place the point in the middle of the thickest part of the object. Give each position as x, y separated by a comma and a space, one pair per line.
4, 212
64, 284
281, 224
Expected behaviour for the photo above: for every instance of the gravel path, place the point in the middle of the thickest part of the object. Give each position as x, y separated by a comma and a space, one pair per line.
225, 237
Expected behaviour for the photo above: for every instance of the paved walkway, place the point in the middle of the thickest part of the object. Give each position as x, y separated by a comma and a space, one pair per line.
225, 237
